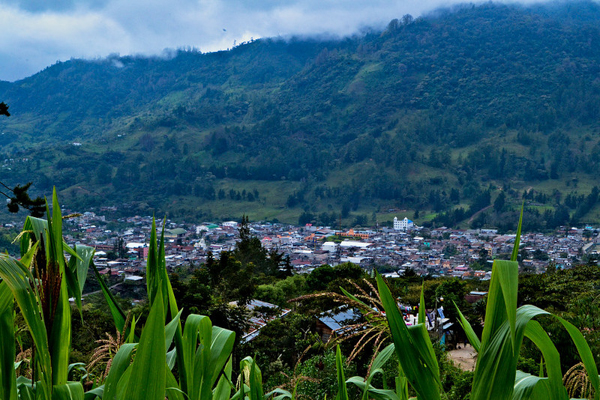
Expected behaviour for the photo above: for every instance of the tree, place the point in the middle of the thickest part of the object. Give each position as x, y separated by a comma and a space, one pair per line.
20, 198
500, 202
4, 109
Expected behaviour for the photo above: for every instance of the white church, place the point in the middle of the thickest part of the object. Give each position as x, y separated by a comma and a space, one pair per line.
403, 225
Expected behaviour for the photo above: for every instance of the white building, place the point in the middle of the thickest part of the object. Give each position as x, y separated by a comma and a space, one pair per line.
403, 225
330, 247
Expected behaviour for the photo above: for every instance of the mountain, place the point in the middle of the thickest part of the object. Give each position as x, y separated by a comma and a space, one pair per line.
434, 115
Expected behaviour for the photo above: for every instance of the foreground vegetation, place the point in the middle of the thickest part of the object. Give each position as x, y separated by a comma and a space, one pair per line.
189, 358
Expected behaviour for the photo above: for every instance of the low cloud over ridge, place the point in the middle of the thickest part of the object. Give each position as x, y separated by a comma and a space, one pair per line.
38, 33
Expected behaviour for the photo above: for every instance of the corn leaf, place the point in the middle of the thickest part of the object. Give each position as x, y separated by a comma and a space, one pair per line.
342, 393
585, 353
373, 393
115, 310
156, 276
120, 363
93, 394
501, 354
223, 389
471, 335
85, 255
148, 371
255, 382
376, 368
170, 329
8, 378
204, 363
515, 252
422, 309
72, 284
17, 277
401, 386
414, 348
26, 393
281, 394
68, 391
59, 342
540, 338
529, 386
173, 391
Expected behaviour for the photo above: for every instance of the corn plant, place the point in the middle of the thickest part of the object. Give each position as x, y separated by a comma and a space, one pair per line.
496, 375
200, 351
42, 281
41, 284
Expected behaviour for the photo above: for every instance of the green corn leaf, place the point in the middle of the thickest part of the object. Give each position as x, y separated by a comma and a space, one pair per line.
148, 371
60, 334
156, 272
120, 363
354, 298
60, 337
8, 378
204, 363
170, 330
496, 312
279, 394
28, 256
115, 310
152, 265
471, 335
515, 252
528, 386
401, 386
256, 389
383, 356
414, 348
193, 324
68, 391
72, 284
501, 353
131, 337
422, 309
585, 354
26, 393
373, 393
17, 277
123, 384
540, 338
94, 394
171, 359
341, 380
83, 257
223, 389
173, 391
76, 271
33, 229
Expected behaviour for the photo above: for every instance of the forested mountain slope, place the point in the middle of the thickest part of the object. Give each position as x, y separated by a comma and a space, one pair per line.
439, 113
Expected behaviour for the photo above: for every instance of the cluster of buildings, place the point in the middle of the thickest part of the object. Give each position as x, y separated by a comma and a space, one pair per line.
123, 249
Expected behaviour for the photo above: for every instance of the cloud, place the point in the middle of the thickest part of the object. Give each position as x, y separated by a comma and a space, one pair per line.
37, 33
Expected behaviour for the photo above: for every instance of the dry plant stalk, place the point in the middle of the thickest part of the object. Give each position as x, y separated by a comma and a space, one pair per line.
104, 354
374, 329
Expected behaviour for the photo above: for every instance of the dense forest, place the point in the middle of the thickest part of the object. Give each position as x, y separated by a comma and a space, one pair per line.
441, 116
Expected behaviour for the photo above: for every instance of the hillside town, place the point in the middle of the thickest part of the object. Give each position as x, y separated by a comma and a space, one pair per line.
391, 250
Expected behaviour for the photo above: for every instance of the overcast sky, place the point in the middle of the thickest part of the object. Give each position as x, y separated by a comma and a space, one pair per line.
37, 33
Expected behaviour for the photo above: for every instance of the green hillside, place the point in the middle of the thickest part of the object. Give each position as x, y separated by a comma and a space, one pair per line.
435, 116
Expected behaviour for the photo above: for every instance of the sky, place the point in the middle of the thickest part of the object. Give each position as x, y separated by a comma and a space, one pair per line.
38, 33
